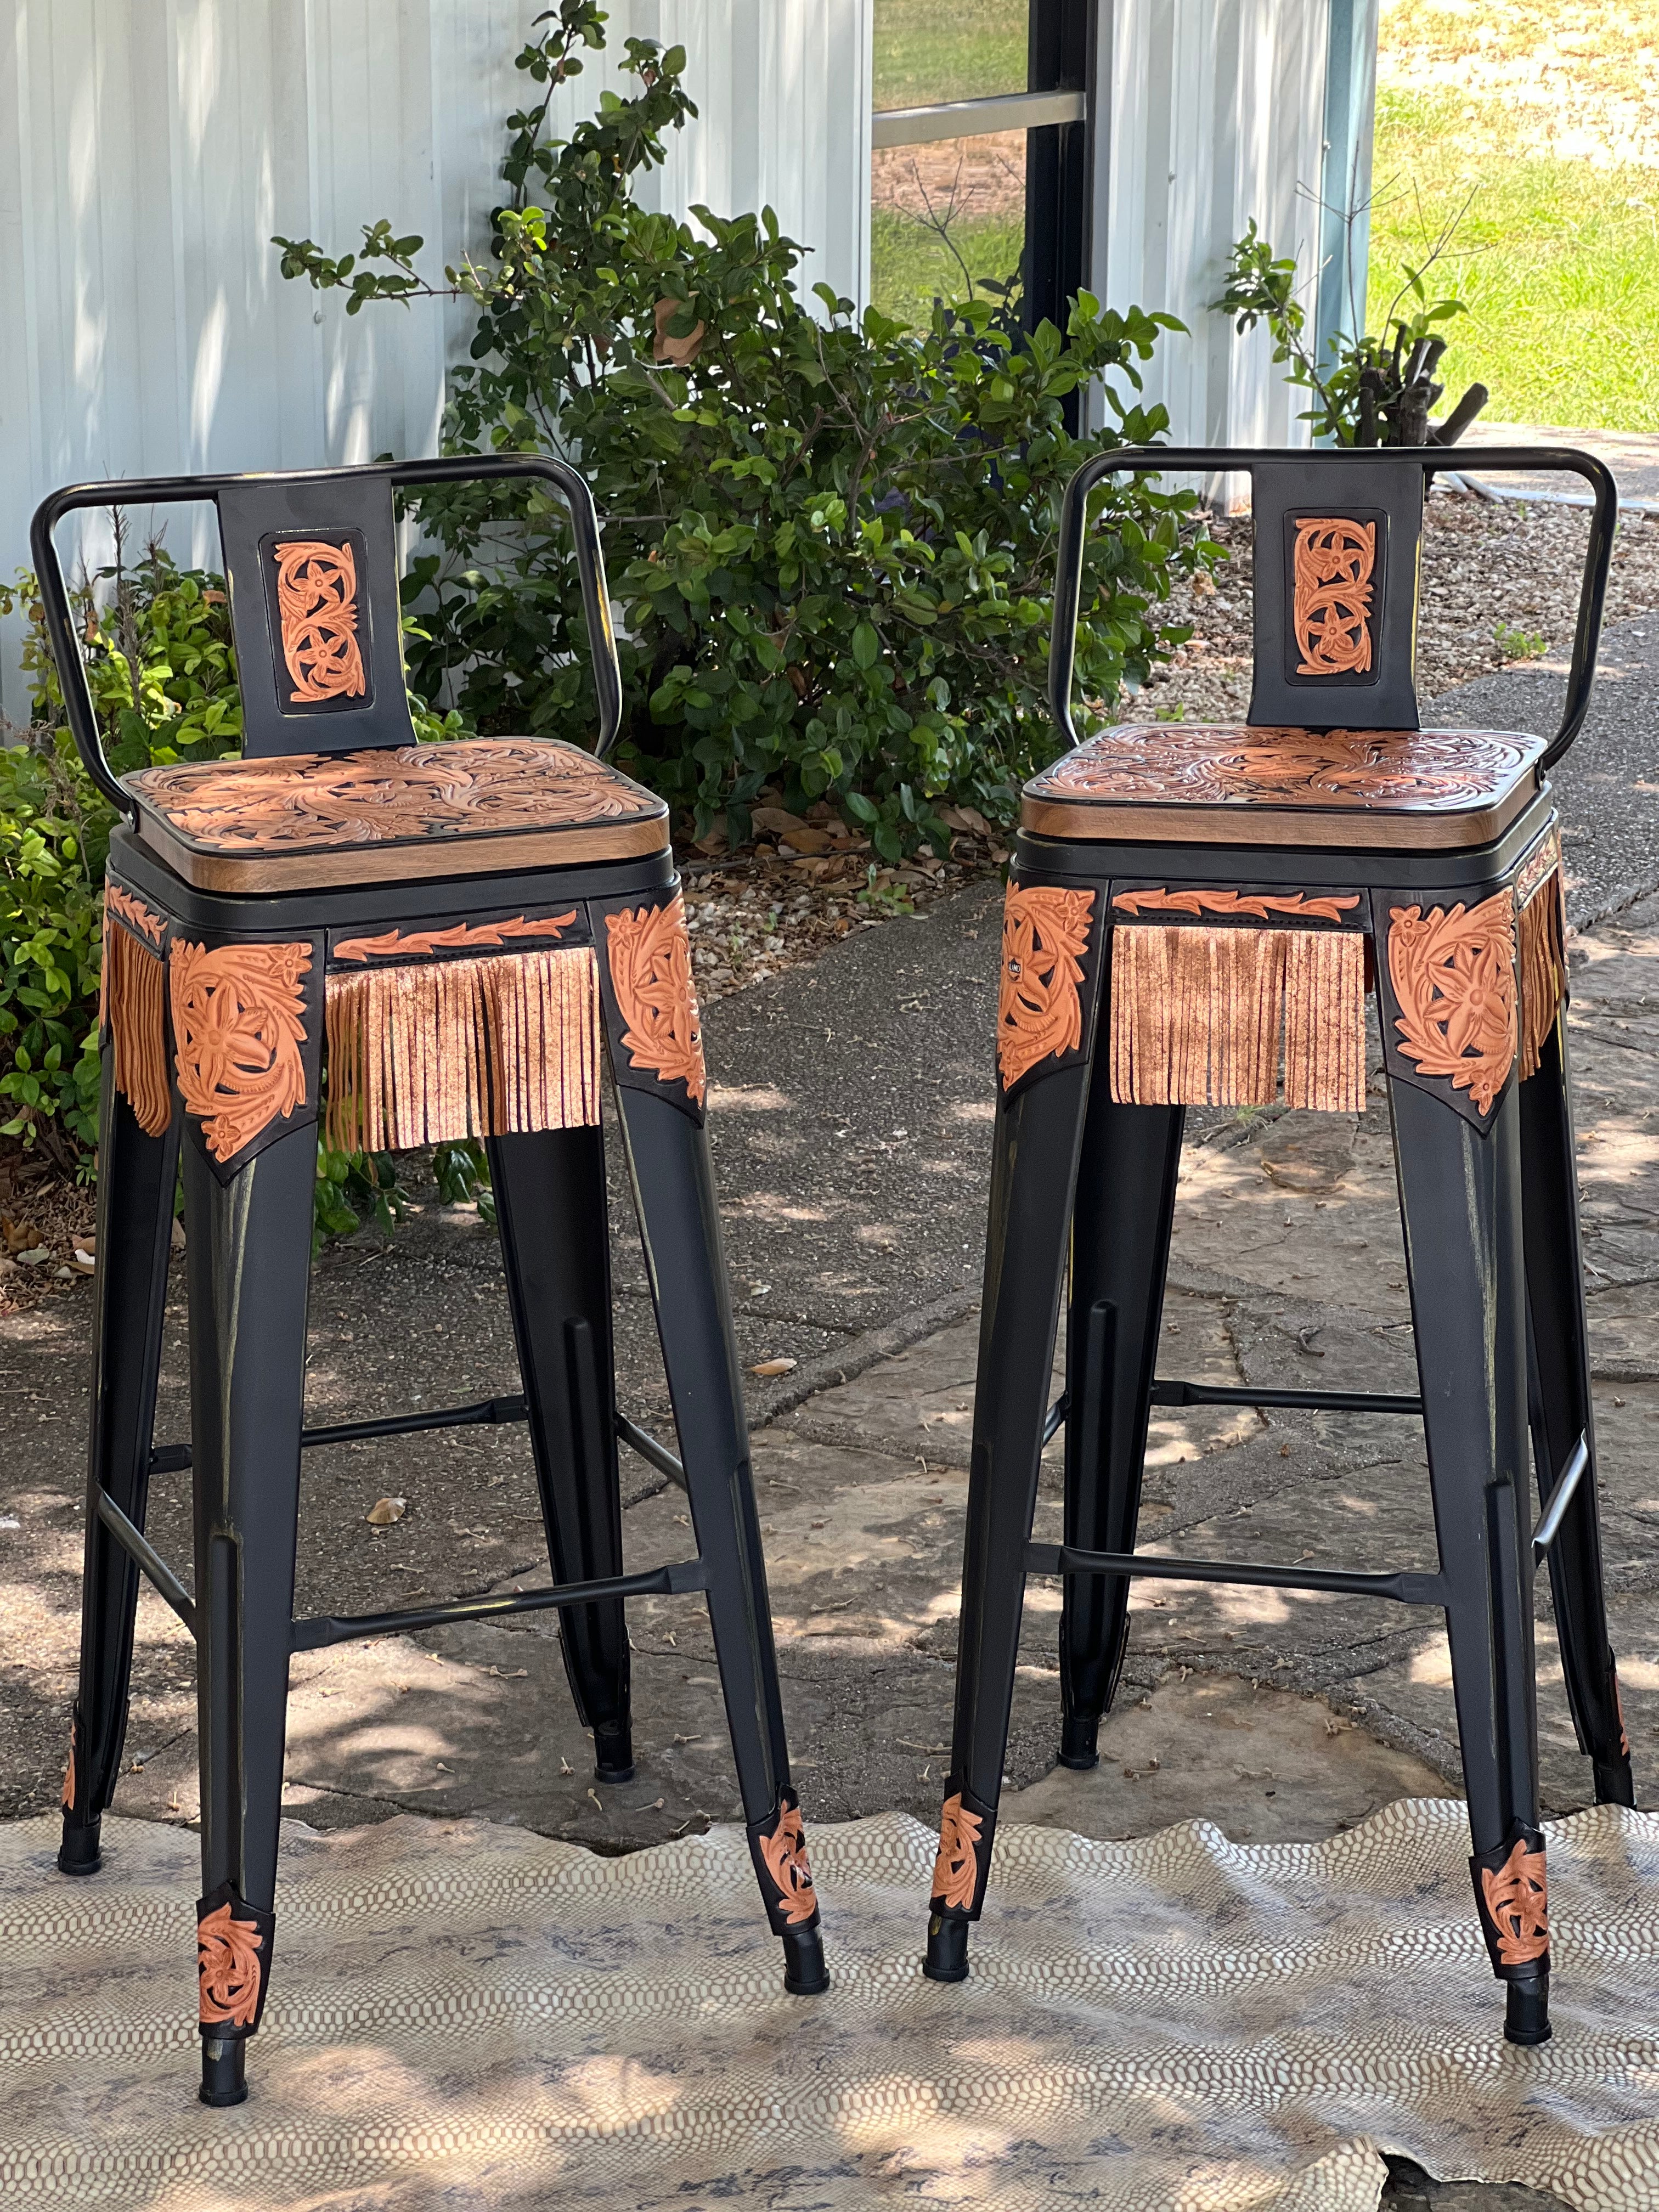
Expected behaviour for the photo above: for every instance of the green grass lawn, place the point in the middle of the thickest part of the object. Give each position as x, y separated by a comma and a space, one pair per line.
910, 267
1557, 259
931, 51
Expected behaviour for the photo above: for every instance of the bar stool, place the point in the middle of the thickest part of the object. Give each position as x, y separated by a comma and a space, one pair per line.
1194, 915
417, 942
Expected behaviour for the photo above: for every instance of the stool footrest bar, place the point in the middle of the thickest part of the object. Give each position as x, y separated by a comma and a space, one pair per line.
684, 1576
488, 1413
1549, 1522
1405, 1588
655, 1454
1313, 1401
139, 1547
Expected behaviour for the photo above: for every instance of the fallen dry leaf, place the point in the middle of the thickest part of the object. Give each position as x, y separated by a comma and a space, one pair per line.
776, 1367
384, 1511
20, 1236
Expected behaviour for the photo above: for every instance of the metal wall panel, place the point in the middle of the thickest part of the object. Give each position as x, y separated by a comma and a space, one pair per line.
148, 149
1209, 111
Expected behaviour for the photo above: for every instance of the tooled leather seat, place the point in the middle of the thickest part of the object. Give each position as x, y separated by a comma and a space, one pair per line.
394, 814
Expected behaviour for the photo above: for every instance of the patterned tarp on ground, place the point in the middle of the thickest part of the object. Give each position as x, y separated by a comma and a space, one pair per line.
469, 2015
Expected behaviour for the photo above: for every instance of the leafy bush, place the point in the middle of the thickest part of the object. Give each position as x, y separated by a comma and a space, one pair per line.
1367, 390
830, 542
163, 679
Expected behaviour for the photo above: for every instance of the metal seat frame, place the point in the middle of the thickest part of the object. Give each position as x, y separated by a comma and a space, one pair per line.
1083, 1185
248, 1220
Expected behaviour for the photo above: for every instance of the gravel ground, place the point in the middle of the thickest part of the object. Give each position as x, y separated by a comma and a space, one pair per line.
1500, 586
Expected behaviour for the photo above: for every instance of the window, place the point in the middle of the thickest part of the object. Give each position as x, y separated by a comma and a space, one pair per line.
979, 175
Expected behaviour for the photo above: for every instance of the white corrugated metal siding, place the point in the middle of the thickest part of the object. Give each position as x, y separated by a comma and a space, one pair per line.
148, 149
1209, 111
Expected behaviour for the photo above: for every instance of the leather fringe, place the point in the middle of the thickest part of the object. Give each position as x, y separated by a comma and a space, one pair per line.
1200, 1016
489, 1048
1541, 934
135, 995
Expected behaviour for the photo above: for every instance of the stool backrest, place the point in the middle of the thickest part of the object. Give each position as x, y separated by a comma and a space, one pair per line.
1338, 539
311, 564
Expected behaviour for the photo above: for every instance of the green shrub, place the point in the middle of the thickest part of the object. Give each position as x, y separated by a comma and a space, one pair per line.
830, 542
163, 679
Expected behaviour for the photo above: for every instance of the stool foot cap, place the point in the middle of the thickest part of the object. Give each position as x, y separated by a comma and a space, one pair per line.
947, 1950
805, 1974
1527, 2017
613, 1754
1077, 1742
80, 1851
224, 2070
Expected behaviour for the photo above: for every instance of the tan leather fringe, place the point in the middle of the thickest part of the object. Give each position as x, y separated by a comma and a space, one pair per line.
135, 993
422, 1055
1197, 1017
1543, 969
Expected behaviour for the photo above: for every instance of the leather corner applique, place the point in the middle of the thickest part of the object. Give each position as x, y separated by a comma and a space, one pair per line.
239, 1027
1331, 595
137, 916
233, 1957
1045, 936
1299, 906
1453, 973
648, 951
955, 1869
317, 607
1515, 1899
783, 1854
464, 937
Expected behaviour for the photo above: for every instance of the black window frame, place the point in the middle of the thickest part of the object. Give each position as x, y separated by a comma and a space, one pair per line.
1056, 113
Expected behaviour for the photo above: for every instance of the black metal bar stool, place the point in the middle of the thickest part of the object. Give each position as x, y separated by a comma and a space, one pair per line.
1194, 915
433, 939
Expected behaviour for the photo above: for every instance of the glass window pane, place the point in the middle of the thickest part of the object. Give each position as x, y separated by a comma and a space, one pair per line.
931, 51
943, 218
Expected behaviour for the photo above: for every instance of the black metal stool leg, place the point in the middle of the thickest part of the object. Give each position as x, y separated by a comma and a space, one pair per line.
249, 1253
1034, 1167
668, 1154
1461, 1198
137, 1177
1562, 1416
1121, 1225
555, 1240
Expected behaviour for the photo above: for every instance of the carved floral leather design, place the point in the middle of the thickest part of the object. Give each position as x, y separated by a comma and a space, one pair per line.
238, 1026
955, 1869
1299, 904
784, 1854
649, 953
1045, 934
228, 1969
133, 911
1453, 973
1331, 594
1516, 1899
464, 936
473, 786
1240, 764
317, 610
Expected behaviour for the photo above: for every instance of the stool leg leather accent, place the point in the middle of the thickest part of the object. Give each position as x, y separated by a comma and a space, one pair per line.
1461, 1198
1120, 1227
679, 1222
555, 1241
1033, 1174
1562, 1413
136, 1179
248, 1252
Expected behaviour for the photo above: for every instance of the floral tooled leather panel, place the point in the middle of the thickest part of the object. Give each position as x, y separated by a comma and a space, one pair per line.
1232, 765
473, 786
